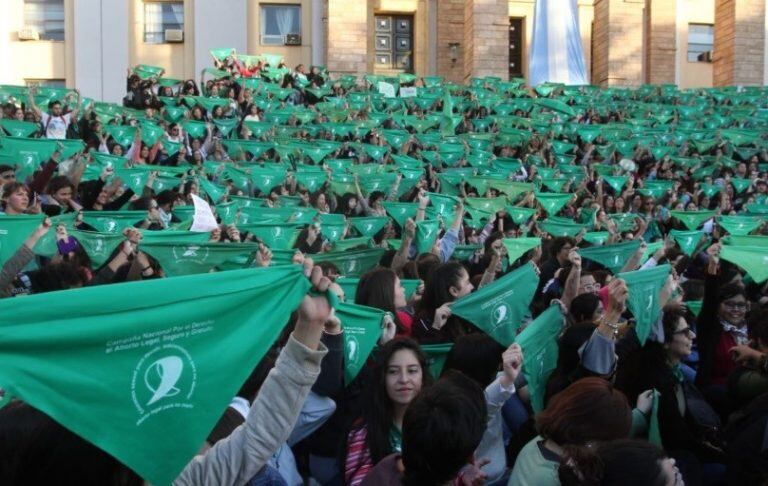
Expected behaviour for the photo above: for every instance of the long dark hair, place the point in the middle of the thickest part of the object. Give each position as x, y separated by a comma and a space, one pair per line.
437, 287
378, 410
377, 289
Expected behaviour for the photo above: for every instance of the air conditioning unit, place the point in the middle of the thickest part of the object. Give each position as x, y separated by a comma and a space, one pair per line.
292, 40
174, 35
29, 33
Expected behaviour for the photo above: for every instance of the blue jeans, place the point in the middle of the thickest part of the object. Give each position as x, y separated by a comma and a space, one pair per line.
268, 476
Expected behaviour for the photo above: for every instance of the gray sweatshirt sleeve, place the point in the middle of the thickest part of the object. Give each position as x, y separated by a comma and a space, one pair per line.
236, 459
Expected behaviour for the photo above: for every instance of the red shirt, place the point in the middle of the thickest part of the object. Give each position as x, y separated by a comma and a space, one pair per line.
723, 364
407, 321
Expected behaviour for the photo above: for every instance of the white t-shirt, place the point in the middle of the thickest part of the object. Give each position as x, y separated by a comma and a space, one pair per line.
56, 126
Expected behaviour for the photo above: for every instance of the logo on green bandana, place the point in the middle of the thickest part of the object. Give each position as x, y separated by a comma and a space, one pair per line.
163, 379
353, 350
500, 315
193, 253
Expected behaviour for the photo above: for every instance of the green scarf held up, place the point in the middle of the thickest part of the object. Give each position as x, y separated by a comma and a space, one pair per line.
752, 259
539, 344
427, 232
16, 128
694, 306
401, 211
498, 308
369, 226
643, 301
279, 236
112, 221
552, 203
362, 330
740, 185
688, 241
156, 362
464, 252
520, 215
740, 225
15, 229
692, 219
597, 238
517, 247
613, 257
436, 357
352, 263
98, 246
178, 259
617, 183
561, 228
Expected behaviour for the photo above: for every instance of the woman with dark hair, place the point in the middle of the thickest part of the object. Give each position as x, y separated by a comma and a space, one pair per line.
398, 376
309, 240
686, 421
721, 326
381, 288
434, 324
619, 463
59, 197
589, 410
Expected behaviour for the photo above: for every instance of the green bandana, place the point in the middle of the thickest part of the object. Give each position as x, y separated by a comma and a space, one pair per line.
752, 259
187, 259
613, 257
498, 308
643, 301
687, 240
426, 235
517, 247
552, 203
596, 237
539, 343
352, 263
369, 226
401, 211
158, 367
556, 228
740, 225
98, 246
112, 221
692, 219
274, 235
362, 330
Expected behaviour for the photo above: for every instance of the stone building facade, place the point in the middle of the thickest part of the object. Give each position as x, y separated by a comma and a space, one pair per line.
90, 44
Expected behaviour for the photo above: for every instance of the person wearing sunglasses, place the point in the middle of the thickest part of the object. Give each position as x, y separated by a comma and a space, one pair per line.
721, 325
688, 425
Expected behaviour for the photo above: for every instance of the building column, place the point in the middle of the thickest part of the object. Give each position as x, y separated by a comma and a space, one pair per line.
450, 31
318, 33
347, 36
618, 43
100, 48
661, 42
739, 42
486, 38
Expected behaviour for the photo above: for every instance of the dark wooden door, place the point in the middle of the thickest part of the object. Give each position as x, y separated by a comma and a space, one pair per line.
394, 43
516, 47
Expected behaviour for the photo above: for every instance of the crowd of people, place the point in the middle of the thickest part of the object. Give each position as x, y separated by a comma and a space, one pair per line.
409, 194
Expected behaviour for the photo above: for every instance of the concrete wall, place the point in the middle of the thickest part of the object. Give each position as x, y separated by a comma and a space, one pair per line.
293, 55
178, 59
225, 26
30, 59
693, 74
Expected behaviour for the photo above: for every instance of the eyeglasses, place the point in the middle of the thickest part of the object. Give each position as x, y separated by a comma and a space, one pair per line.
592, 287
687, 331
8, 175
735, 305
